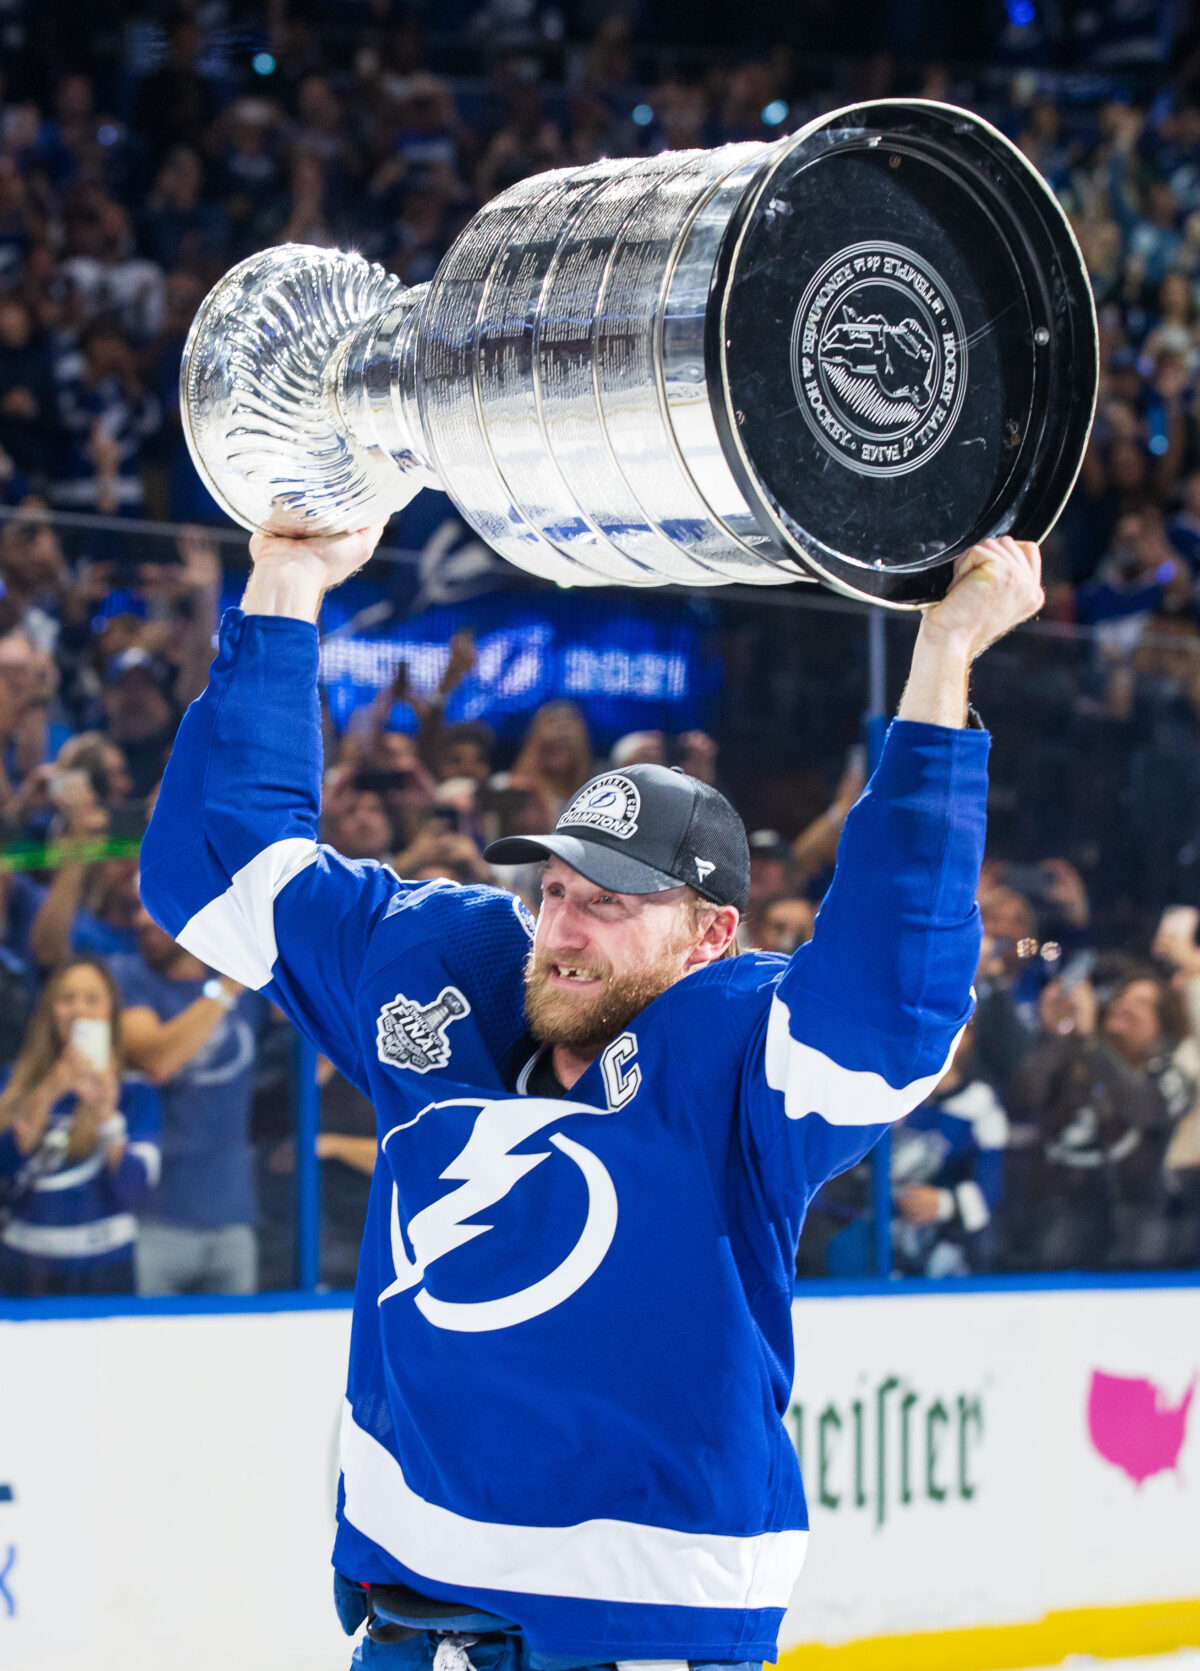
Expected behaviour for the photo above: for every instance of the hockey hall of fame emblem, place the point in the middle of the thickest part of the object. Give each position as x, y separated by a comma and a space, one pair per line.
879, 359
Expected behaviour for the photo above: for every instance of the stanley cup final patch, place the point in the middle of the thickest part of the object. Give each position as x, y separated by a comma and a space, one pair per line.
412, 1035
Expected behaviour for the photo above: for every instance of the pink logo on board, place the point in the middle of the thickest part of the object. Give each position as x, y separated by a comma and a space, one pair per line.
1132, 1425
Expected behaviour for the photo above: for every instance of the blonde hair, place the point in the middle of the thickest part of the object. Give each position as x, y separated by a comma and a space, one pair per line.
696, 906
527, 766
41, 1049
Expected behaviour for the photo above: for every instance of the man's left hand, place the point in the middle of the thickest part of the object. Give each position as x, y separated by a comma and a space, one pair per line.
996, 586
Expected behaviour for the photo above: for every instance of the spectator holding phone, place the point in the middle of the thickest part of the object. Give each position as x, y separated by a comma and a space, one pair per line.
441, 849
556, 757
1100, 1093
195, 1036
1175, 945
947, 1174
90, 904
78, 1144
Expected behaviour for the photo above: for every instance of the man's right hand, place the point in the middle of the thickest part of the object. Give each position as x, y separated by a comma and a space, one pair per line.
290, 577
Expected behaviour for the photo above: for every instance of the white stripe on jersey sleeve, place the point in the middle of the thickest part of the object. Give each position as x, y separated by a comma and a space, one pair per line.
235, 932
151, 1158
813, 1083
596, 1560
972, 1207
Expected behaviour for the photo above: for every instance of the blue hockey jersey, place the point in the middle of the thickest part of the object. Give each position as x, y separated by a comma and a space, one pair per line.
571, 1348
82, 1213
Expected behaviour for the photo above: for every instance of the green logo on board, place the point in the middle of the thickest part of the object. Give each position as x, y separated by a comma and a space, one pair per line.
889, 1448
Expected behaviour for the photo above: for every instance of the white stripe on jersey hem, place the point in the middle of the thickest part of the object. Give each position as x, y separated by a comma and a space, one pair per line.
596, 1560
235, 932
813, 1083
70, 1241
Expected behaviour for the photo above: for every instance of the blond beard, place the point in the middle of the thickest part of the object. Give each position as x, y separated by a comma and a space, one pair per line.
589, 1022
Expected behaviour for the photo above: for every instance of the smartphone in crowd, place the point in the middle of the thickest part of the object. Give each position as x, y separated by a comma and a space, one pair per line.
66, 787
1181, 920
1080, 968
382, 782
1030, 880
92, 1038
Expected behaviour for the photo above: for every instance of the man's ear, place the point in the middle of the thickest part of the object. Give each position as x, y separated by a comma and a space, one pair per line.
720, 926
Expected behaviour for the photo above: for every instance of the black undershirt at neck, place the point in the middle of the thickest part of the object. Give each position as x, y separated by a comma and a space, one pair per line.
542, 1080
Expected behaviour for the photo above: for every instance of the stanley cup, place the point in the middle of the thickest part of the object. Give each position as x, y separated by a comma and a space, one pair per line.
844, 356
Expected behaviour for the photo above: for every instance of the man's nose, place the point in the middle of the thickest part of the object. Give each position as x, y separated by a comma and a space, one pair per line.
566, 930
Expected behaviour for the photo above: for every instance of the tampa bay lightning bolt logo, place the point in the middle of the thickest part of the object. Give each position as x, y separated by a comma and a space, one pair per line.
485, 1170
611, 804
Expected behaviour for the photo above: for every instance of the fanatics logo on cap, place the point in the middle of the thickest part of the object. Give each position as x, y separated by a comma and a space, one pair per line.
703, 869
611, 804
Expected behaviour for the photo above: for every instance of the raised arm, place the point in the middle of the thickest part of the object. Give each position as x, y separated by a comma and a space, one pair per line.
231, 865
290, 577
996, 586
867, 1015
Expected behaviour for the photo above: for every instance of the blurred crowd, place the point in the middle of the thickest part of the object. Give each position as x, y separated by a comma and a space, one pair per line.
146, 1105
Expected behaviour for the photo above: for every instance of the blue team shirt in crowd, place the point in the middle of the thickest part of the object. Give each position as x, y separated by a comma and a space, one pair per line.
80, 1213
207, 1158
89, 933
571, 1352
23, 903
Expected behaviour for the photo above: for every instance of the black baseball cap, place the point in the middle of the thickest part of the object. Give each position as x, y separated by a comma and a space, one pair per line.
644, 830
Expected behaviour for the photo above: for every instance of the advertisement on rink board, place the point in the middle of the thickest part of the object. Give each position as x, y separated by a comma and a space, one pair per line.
985, 1459
166, 1483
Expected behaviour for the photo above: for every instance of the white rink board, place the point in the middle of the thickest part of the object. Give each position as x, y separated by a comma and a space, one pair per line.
173, 1477
173, 1492
1033, 1518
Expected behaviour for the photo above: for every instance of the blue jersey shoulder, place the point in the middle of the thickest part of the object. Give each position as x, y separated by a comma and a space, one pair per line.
477, 937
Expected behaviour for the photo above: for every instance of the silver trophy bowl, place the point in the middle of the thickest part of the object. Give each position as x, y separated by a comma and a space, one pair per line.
846, 356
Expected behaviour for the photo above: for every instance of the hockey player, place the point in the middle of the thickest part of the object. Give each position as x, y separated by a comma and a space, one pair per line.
563, 1441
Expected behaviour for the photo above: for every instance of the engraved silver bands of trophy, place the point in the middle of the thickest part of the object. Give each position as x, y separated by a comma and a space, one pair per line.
759, 364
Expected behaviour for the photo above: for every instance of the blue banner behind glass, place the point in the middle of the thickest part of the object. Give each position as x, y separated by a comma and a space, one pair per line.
632, 663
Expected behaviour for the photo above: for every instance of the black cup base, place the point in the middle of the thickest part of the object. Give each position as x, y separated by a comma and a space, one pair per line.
902, 348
